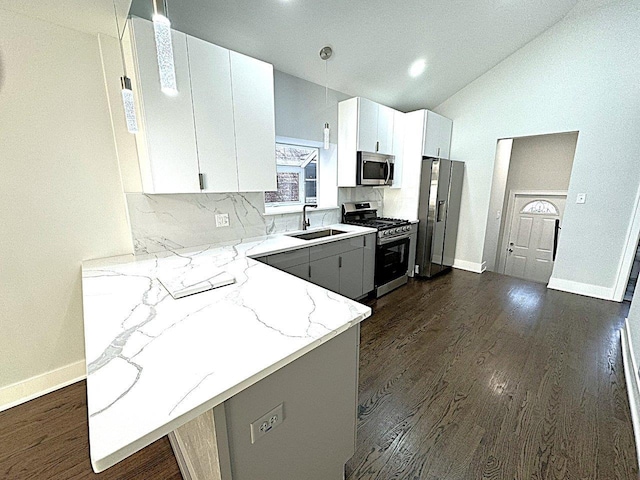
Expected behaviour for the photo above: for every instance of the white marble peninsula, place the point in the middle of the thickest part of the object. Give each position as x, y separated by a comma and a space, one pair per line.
203, 367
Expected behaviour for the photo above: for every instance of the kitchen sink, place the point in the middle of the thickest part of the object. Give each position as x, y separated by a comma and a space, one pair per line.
327, 232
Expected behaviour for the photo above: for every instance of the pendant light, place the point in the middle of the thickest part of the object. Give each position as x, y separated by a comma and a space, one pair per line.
325, 54
164, 47
125, 83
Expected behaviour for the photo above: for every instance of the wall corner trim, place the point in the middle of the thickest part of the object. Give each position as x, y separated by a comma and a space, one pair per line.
632, 381
586, 289
470, 266
34, 387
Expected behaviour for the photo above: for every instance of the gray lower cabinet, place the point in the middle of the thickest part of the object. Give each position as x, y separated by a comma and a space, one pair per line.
351, 266
300, 271
346, 266
369, 267
326, 273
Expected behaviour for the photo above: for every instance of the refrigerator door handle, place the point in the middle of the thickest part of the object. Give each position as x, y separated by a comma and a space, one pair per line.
439, 212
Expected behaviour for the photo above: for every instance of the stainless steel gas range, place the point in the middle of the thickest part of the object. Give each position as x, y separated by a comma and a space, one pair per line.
393, 245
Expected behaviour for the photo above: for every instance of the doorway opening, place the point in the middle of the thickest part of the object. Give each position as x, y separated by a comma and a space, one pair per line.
632, 284
528, 197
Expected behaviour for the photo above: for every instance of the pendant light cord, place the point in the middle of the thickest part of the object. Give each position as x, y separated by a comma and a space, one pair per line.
326, 84
124, 65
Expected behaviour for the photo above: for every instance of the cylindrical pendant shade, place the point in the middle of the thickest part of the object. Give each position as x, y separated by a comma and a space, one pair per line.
164, 48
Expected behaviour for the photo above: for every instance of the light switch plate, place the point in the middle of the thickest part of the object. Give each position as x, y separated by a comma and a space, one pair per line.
581, 198
222, 220
266, 423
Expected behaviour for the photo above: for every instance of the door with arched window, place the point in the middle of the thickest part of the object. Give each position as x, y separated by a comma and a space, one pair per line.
532, 234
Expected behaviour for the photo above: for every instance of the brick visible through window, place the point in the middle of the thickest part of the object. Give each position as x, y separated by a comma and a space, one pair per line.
288, 189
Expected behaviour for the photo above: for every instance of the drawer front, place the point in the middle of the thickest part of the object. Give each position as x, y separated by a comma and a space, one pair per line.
335, 248
289, 259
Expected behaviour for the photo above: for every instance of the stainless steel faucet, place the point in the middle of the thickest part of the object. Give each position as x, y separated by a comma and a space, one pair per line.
305, 221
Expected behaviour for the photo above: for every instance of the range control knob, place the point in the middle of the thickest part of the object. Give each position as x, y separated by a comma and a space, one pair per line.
406, 229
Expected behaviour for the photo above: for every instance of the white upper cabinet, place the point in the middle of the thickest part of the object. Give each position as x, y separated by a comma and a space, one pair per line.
437, 135
385, 130
167, 148
210, 69
363, 126
367, 122
254, 113
218, 133
375, 127
398, 147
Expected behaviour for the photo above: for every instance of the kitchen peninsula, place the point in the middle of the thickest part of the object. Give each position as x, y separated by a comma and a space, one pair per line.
203, 368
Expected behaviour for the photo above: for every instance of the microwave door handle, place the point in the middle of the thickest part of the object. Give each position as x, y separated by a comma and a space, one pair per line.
388, 173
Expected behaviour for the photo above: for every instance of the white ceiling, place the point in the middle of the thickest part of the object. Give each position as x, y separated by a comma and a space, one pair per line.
374, 41
89, 16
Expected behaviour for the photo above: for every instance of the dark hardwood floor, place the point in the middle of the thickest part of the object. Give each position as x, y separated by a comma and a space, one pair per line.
463, 377
489, 377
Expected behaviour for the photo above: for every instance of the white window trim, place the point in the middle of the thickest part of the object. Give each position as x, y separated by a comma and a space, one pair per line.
323, 203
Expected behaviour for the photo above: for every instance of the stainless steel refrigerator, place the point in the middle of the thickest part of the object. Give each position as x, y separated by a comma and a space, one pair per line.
438, 212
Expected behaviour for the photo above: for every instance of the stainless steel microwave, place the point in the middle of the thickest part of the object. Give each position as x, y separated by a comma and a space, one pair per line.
374, 169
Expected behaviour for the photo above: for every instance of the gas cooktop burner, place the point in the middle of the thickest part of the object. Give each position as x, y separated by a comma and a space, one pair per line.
379, 223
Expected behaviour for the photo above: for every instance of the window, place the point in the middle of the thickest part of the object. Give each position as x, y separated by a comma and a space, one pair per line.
540, 206
297, 175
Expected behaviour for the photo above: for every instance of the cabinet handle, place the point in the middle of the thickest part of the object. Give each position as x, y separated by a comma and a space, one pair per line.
201, 180
309, 271
377, 147
339, 262
438, 151
365, 241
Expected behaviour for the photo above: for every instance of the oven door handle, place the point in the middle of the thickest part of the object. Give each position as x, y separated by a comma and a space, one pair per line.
385, 241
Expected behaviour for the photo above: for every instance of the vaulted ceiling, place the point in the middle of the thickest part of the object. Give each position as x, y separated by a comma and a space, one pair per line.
375, 42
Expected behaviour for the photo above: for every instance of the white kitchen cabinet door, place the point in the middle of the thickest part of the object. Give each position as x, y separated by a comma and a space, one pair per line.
210, 69
398, 147
385, 130
167, 140
253, 110
367, 125
437, 135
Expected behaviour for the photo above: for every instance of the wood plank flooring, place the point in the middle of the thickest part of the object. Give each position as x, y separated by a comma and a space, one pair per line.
490, 377
463, 377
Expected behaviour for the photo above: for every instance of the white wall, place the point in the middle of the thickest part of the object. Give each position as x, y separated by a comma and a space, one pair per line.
496, 201
581, 75
60, 194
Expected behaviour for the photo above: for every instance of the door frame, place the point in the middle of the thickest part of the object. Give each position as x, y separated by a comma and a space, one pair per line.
506, 233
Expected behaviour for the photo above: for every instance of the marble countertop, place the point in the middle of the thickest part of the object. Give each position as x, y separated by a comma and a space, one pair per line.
154, 363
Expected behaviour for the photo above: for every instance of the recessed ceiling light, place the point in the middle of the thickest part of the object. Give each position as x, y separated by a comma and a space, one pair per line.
417, 68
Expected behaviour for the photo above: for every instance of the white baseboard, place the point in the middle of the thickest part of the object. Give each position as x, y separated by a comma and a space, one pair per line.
470, 266
586, 289
632, 381
21, 392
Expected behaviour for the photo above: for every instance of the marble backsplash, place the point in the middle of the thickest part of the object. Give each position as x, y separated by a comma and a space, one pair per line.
168, 222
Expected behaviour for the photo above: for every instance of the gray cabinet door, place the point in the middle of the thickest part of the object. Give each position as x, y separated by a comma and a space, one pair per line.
326, 273
351, 267
300, 271
369, 268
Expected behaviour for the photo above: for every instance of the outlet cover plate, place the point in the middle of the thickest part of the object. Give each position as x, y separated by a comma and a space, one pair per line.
266, 423
222, 220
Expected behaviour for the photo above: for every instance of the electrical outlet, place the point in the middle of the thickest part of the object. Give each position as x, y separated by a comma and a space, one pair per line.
222, 220
266, 423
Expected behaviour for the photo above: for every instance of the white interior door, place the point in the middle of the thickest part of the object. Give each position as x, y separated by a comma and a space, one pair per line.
531, 236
